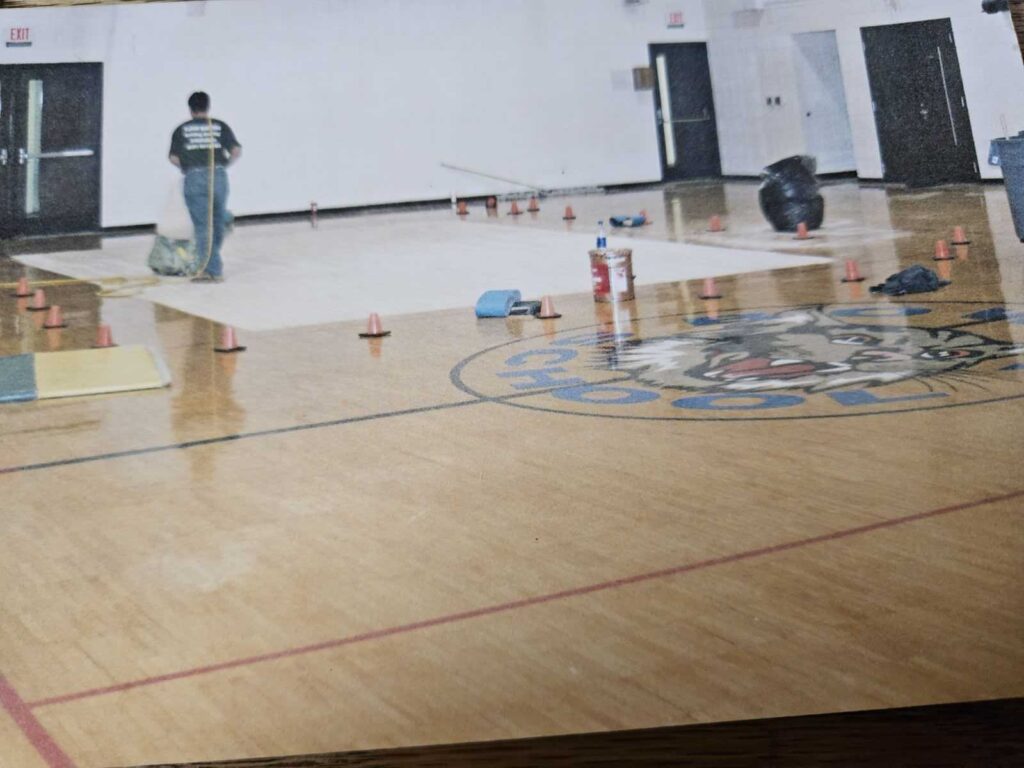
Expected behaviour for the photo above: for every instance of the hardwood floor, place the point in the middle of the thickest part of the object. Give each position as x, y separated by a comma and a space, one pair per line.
802, 499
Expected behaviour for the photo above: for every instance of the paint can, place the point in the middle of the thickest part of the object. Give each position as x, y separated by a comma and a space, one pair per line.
611, 271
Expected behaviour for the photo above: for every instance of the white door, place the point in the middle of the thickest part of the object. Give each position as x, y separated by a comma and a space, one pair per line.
823, 100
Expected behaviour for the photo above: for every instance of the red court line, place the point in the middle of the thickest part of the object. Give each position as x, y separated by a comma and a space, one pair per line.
491, 610
34, 731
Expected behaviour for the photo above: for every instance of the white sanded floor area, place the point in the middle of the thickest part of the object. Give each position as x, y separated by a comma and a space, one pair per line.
285, 275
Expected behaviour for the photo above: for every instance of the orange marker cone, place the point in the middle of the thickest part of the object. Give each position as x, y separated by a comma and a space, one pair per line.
715, 224
852, 272
54, 318
228, 341
801, 232
960, 237
569, 215
374, 330
492, 202
104, 338
533, 207
942, 251
39, 301
710, 290
547, 309
515, 209
463, 210
22, 291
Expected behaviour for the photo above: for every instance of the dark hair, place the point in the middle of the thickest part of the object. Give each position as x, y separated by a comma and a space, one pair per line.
199, 102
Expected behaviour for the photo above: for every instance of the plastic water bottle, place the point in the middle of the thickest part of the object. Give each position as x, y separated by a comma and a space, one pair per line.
602, 238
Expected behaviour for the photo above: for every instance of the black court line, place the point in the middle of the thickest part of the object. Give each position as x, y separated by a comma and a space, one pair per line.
276, 431
233, 438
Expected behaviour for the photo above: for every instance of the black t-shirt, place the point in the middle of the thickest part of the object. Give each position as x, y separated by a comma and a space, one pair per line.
191, 142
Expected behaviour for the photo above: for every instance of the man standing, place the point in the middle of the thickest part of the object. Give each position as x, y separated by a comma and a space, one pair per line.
203, 148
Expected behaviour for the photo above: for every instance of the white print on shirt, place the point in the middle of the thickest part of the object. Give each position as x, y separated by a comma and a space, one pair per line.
198, 137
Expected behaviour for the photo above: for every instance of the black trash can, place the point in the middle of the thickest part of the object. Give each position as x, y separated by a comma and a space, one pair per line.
1008, 154
790, 195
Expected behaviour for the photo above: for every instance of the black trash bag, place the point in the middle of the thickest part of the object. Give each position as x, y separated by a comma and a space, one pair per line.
915, 279
790, 194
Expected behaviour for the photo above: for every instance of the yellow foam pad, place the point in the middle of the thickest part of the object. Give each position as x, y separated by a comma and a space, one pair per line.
98, 371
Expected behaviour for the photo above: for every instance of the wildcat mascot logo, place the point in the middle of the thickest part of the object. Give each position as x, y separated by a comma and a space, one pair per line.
801, 349
802, 362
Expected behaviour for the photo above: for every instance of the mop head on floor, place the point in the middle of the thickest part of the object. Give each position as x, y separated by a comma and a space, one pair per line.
174, 252
47, 375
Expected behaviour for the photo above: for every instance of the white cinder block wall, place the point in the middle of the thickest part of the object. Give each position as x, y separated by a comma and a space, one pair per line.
752, 56
357, 102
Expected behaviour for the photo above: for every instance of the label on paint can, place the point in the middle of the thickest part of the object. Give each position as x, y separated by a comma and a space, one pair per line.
619, 278
601, 278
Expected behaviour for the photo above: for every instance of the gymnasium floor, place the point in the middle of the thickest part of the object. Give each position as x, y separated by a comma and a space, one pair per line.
800, 498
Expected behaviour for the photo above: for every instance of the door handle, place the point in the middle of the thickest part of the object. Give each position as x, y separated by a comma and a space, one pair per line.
949, 102
23, 155
63, 153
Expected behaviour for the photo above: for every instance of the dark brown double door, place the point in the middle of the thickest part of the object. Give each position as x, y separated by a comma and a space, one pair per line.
924, 127
50, 137
685, 110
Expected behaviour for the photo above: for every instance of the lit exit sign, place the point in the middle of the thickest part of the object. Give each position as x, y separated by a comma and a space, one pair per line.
676, 19
19, 37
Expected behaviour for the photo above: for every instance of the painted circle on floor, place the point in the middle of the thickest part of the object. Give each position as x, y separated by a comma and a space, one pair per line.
815, 361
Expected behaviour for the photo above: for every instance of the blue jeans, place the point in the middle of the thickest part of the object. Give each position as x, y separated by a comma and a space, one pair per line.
197, 198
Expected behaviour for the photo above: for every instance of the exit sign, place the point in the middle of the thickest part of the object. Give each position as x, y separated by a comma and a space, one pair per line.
19, 37
676, 19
